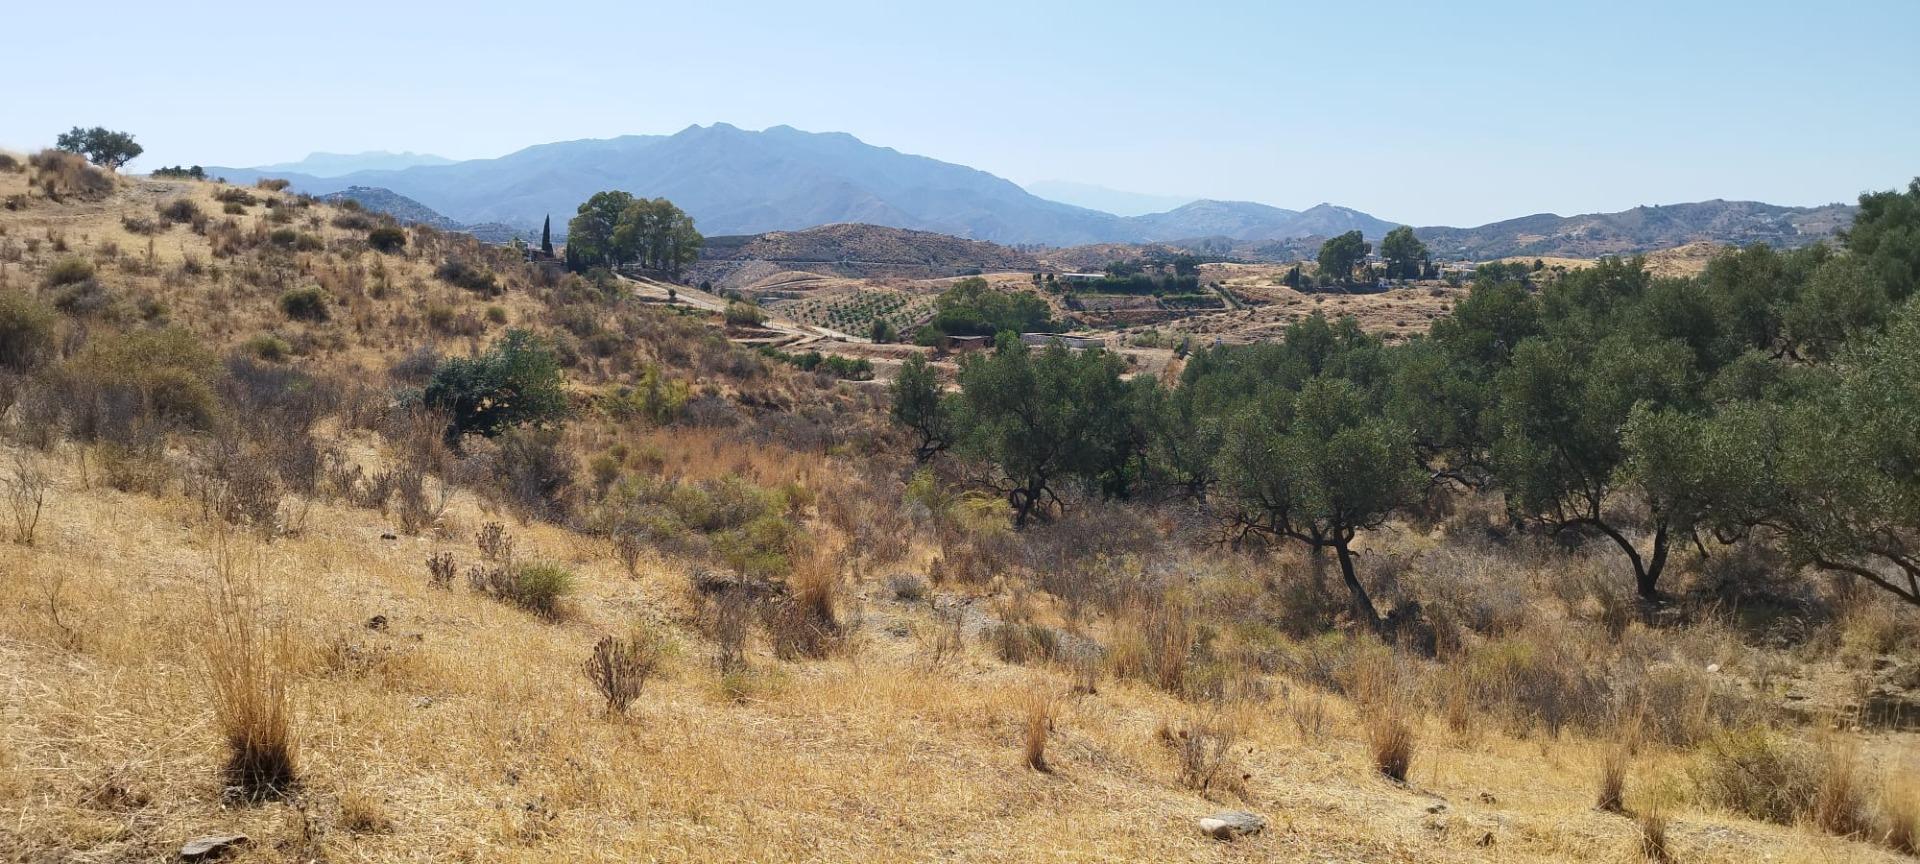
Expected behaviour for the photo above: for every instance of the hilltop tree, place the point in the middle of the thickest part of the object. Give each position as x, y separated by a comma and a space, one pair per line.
657, 235
101, 146
1339, 255
590, 234
546, 237
1406, 256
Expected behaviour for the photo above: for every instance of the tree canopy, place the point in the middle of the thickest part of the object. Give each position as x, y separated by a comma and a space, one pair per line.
1340, 255
614, 229
103, 147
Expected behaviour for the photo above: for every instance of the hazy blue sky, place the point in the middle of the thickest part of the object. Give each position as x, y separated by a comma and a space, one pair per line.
1427, 112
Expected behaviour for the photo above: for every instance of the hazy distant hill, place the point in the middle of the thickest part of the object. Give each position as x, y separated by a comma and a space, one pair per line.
338, 164
739, 182
1641, 229
411, 212
1116, 201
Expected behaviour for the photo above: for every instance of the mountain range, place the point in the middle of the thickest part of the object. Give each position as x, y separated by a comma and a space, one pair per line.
736, 182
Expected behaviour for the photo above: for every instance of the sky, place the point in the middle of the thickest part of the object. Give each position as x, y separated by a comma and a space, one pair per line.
1455, 113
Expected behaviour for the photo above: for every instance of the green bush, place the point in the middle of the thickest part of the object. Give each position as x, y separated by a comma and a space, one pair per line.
464, 275
180, 211
516, 381
26, 331
740, 314
68, 271
387, 240
306, 304
269, 347
538, 587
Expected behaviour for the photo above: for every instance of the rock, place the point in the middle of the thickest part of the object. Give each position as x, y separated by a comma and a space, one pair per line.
389, 536
377, 622
1437, 808
210, 847
1228, 824
1713, 668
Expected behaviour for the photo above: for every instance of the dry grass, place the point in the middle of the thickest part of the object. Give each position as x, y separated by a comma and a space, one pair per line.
1652, 823
250, 667
1038, 711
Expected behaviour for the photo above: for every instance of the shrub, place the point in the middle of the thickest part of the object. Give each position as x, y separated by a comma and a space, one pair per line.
1840, 800
535, 472
68, 271
60, 174
180, 211
118, 387
26, 331
285, 238
1758, 774
272, 184
516, 381
140, 225
539, 587
740, 314
440, 569
269, 347
354, 220
387, 240
236, 195
1205, 747
306, 304
457, 272
619, 669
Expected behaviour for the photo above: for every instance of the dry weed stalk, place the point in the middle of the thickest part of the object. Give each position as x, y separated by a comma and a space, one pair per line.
619, 669
1653, 835
1615, 759
26, 496
1387, 712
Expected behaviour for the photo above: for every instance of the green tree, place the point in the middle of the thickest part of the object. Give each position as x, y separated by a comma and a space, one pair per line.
591, 234
1039, 419
1317, 466
101, 146
546, 237
1406, 256
1339, 255
882, 331
1885, 237
918, 405
516, 381
974, 308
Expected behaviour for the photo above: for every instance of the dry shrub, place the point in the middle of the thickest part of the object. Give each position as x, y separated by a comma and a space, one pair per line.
619, 669
440, 570
1157, 637
807, 621
1037, 709
1307, 708
1757, 773
363, 813
1205, 745
250, 665
26, 492
944, 640
62, 175
494, 543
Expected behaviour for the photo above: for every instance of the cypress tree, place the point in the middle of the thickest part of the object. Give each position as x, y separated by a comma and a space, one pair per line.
546, 237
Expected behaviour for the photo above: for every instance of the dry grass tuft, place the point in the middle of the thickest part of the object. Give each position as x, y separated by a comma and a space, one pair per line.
1616, 756
1206, 745
1387, 710
1900, 811
1038, 708
250, 665
1653, 835
1840, 801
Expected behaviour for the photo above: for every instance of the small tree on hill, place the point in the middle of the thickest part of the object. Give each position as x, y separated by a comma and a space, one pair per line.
101, 146
917, 405
546, 237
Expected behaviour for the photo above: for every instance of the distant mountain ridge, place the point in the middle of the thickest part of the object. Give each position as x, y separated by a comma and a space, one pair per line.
339, 164
410, 212
1116, 201
740, 182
